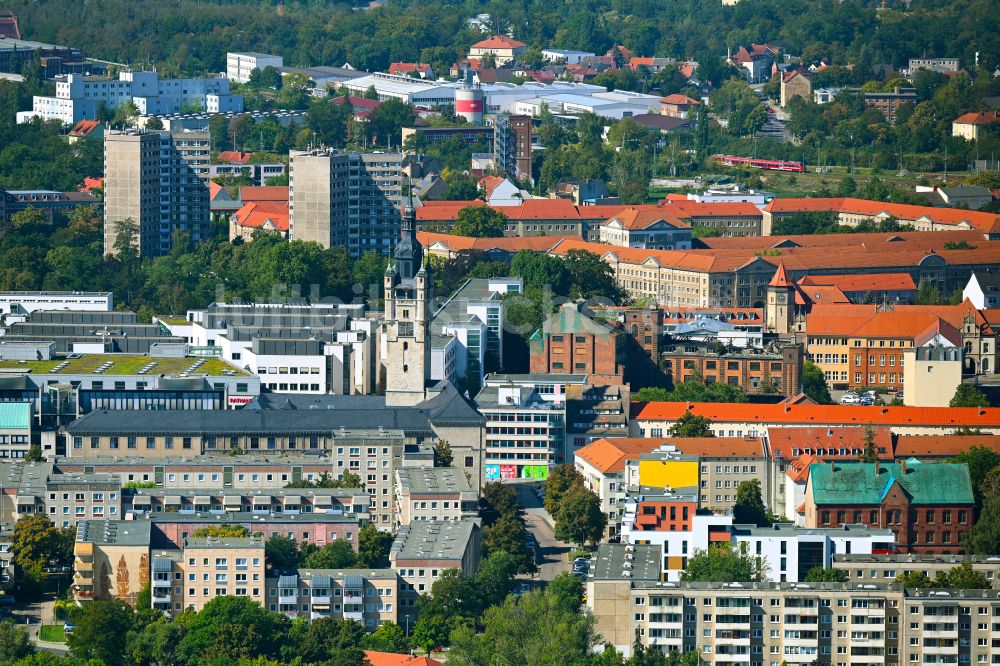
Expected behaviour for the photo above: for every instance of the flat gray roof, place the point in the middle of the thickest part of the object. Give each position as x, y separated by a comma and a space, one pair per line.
431, 480
113, 532
439, 540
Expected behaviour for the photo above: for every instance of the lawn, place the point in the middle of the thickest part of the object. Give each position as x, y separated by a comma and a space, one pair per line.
52, 633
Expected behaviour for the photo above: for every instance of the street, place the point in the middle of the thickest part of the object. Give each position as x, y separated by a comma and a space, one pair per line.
31, 617
552, 552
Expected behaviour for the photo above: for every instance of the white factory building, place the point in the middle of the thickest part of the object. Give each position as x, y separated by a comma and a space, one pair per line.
523, 99
77, 96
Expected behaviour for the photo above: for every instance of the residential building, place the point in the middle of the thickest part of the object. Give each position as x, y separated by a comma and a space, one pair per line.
434, 493
15, 429
983, 289
888, 103
654, 229
78, 96
49, 202
370, 597
931, 375
572, 341
678, 106
593, 413
585, 192
241, 64
936, 64
259, 217
851, 212
204, 568
653, 419
503, 49
512, 139
347, 199
968, 125
421, 70
499, 191
757, 60
258, 172
111, 560
929, 506
65, 498
796, 83
568, 57
423, 550
781, 621
885, 567
159, 181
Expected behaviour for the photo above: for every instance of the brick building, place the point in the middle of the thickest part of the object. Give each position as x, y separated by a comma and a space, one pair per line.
929, 506
771, 370
571, 341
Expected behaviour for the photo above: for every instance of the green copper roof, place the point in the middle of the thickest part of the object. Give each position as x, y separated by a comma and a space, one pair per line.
15, 415
858, 483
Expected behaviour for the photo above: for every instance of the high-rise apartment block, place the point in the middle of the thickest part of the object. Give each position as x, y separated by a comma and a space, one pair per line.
348, 199
160, 181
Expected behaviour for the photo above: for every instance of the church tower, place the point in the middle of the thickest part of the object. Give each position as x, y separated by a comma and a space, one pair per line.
407, 318
780, 303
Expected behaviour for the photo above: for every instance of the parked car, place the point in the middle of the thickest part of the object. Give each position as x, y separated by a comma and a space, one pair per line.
850, 399
866, 401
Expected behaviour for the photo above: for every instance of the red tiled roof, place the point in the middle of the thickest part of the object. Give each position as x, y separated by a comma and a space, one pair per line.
952, 417
490, 183
780, 278
235, 156
513, 245
84, 127
985, 222
911, 239
499, 42
436, 211
679, 100
689, 208
978, 118
258, 214
637, 218
812, 440
391, 659
91, 184
264, 193
867, 282
406, 67
798, 469
918, 446
820, 294
611, 455
543, 209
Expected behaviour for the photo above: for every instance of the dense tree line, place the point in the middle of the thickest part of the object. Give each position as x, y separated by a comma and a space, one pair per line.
193, 37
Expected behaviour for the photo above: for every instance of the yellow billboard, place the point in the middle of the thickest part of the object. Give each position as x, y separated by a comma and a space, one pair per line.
668, 473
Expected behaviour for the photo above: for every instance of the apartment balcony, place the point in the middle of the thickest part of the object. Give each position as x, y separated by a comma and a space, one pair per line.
802, 642
801, 658
867, 660
352, 596
323, 599
732, 659
941, 649
288, 596
161, 596
732, 621
949, 631
674, 643
319, 614
357, 615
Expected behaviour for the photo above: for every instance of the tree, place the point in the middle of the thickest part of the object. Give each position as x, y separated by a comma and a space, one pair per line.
231, 628
495, 578
689, 425
498, 500
561, 479
336, 555
567, 591
981, 461
985, 538
14, 643
823, 575
34, 453
814, 383
281, 552
443, 457
722, 564
488, 61
590, 276
125, 115
963, 577
154, 123
580, 519
333, 642
222, 532
386, 122
328, 121
918, 579
37, 542
967, 395
541, 271
509, 535
387, 637
431, 631
101, 631
373, 547
749, 506
870, 452
367, 274
479, 222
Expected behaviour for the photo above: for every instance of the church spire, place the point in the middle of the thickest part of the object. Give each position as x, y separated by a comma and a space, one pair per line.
408, 253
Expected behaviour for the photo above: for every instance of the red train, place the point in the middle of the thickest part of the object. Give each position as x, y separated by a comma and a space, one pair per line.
772, 165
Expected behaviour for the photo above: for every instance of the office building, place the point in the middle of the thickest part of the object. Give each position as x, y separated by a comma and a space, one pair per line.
347, 199
241, 64
159, 180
